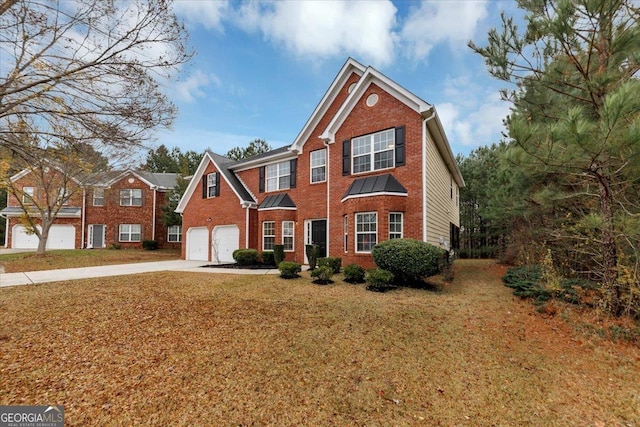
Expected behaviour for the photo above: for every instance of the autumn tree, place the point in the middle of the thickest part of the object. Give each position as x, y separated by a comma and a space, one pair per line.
576, 121
88, 71
257, 146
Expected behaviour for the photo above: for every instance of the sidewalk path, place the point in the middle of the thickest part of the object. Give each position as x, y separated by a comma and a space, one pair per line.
33, 277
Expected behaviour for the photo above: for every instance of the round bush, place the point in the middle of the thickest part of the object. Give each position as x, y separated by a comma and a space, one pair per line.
246, 256
289, 269
408, 259
379, 280
353, 273
322, 274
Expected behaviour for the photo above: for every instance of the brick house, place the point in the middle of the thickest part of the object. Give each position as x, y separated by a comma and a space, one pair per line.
371, 163
117, 207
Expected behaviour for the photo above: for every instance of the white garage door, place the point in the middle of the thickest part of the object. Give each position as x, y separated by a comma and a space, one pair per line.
198, 244
226, 239
60, 237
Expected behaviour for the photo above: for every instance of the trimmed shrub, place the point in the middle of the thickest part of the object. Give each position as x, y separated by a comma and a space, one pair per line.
246, 256
312, 255
289, 269
379, 280
278, 254
149, 245
408, 259
323, 275
333, 263
268, 258
115, 246
353, 273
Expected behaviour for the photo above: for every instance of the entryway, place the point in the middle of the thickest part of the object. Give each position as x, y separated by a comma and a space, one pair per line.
315, 233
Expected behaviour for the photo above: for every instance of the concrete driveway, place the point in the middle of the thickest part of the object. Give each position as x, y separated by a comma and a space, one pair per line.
4, 251
33, 277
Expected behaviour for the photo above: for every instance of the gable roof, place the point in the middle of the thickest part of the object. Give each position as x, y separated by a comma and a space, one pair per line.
222, 165
350, 66
270, 156
385, 184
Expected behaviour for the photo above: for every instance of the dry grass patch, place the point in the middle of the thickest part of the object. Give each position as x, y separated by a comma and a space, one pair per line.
54, 260
203, 349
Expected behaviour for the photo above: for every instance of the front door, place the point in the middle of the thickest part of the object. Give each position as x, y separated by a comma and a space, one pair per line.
96, 236
319, 236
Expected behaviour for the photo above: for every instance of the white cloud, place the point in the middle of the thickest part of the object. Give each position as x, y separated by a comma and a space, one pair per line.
324, 29
435, 22
474, 115
209, 14
192, 88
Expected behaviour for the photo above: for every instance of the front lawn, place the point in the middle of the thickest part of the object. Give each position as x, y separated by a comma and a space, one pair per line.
188, 349
53, 260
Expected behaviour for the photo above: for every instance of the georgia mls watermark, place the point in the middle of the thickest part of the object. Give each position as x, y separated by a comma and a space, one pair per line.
32, 416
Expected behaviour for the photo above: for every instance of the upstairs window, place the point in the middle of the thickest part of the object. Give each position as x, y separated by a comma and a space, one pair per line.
131, 197
27, 195
63, 196
278, 176
318, 165
373, 152
212, 185
98, 197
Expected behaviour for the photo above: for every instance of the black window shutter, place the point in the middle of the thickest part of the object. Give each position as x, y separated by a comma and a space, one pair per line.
204, 186
346, 157
217, 184
292, 178
400, 148
261, 183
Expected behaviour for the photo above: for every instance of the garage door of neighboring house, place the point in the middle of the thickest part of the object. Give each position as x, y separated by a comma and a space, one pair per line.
60, 237
225, 239
198, 244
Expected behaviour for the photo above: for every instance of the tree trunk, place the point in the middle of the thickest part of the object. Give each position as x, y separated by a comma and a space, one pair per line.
44, 236
609, 251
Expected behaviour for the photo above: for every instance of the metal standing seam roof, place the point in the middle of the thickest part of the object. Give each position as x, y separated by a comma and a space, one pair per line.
276, 201
375, 184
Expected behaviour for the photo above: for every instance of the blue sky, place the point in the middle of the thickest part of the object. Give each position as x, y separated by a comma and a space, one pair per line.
261, 67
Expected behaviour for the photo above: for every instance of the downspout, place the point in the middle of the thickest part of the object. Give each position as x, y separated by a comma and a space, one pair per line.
83, 221
327, 163
6, 231
246, 227
153, 224
424, 173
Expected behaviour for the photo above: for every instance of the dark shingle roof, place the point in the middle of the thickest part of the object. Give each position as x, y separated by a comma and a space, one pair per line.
375, 184
281, 200
223, 164
267, 154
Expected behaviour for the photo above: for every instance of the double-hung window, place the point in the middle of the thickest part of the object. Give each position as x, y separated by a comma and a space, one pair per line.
366, 231
373, 152
27, 195
319, 165
212, 183
278, 176
174, 233
131, 197
98, 197
395, 225
63, 196
129, 232
287, 235
268, 235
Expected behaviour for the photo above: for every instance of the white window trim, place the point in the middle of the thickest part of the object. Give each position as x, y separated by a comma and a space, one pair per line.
210, 185
131, 197
311, 167
129, 233
356, 233
178, 234
63, 196
27, 195
264, 223
345, 226
372, 153
401, 225
292, 236
277, 177
101, 190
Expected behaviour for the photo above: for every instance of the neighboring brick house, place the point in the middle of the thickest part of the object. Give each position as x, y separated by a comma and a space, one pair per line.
116, 207
371, 163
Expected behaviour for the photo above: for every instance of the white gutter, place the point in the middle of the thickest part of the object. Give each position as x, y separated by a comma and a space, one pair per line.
153, 224
246, 228
327, 163
6, 231
424, 173
84, 210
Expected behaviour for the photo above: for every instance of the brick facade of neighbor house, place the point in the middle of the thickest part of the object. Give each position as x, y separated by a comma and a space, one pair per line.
388, 172
96, 213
